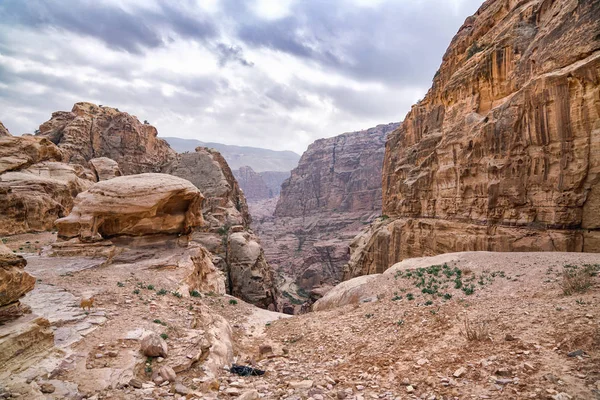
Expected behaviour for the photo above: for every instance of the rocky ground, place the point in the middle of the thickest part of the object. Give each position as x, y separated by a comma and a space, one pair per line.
398, 335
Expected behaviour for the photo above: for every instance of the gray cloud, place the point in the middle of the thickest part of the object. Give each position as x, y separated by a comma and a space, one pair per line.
345, 67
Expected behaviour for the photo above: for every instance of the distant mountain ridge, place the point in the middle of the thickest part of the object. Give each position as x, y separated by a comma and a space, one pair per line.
259, 159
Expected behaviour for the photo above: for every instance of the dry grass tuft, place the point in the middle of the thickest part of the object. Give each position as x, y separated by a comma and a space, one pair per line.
475, 332
578, 280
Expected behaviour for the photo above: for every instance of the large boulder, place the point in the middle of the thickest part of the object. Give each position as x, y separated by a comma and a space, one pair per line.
250, 275
134, 205
90, 131
104, 168
31, 199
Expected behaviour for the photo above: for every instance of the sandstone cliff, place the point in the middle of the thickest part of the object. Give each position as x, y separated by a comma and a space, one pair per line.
90, 131
328, 198
503, 153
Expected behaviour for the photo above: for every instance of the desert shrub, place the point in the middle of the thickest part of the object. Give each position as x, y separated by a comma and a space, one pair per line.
478, 331
578, 280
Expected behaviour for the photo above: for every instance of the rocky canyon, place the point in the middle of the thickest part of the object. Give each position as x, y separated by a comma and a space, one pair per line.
453, 255
333, 192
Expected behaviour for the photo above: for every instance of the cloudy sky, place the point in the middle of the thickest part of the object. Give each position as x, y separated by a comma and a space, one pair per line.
267, 73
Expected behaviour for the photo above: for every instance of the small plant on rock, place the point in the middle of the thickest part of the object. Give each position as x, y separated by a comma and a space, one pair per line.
233, 302
150, 287
478, 331
136, 291
578, 280
195, 293
177, 294
164, 336
162, 292
120, 284
410, 296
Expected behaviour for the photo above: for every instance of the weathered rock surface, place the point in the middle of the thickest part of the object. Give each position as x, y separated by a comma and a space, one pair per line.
33, 198
24, 340
274, 180
154, 346
134, 205
3, 130
250, 276
503, 153
224, 202
104, 168
14, 284
205, 277
236, 251
329, 197
90, 131
19, 152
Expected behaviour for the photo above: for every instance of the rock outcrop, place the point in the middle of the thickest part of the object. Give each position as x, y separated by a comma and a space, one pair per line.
3, 130
328, 198
503, 153
250, 276
236, 250
14, 284
225, 204
274, 180
104, 168
134, 205
89, 131
35, 187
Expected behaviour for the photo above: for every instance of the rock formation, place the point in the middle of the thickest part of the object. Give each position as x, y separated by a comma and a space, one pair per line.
328, 198
134, 205
224, 201
250, 276
236, 251
89, 131
252, 184
503, 153
35, 187
14, 283
104, 168
3, 130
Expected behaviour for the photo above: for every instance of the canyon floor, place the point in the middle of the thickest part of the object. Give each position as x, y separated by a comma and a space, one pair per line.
455, 326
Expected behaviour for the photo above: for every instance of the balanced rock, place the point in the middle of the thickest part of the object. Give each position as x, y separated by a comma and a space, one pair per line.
90, 131
134, 205
154, 346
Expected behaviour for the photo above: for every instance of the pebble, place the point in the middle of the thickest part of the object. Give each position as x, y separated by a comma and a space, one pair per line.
459, 372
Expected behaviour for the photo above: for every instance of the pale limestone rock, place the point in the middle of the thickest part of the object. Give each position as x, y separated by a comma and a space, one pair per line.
105, 168
134, 205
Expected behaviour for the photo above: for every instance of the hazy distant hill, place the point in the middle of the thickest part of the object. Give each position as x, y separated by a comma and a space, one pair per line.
238, 156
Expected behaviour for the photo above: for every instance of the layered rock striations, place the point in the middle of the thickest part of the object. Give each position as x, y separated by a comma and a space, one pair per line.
503, 153
89, 131
252, 184
328, 198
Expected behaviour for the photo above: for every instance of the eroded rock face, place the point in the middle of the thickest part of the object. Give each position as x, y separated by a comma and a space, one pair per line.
224, 203
333, 192
33, 198
19, 152
104, 168
14, 283
134, 205
205, 277
250, 276
90, 131
503, 153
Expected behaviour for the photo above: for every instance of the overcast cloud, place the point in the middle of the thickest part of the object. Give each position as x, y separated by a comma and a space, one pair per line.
277, 74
